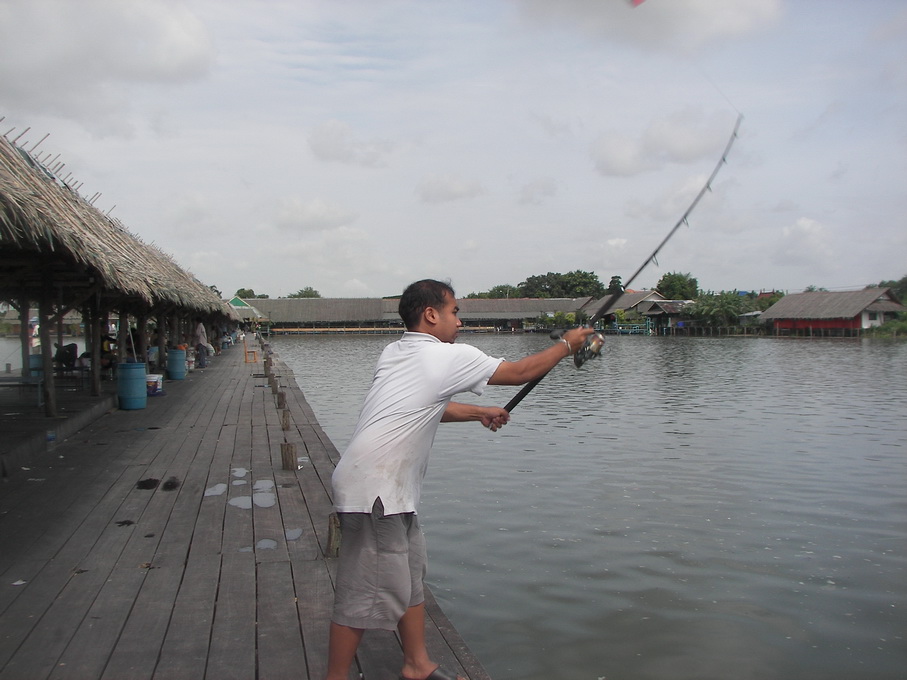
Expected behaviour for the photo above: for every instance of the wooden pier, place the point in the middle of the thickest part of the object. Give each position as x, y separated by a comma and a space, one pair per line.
169, 542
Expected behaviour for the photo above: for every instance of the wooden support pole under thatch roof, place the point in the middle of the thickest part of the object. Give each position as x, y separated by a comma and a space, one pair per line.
24, 333
45, 310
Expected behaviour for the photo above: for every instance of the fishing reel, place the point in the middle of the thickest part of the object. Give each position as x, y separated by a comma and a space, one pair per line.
591, 349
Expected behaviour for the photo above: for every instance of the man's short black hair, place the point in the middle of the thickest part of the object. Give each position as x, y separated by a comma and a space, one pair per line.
419, 296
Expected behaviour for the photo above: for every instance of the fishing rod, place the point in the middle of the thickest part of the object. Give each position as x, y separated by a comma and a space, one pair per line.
593, 345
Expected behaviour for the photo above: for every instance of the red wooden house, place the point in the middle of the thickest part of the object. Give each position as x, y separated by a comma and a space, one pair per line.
822, 313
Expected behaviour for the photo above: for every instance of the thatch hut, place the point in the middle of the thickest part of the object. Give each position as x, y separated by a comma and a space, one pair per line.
60, 253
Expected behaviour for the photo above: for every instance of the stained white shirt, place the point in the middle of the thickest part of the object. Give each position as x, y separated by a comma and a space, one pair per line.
415, 378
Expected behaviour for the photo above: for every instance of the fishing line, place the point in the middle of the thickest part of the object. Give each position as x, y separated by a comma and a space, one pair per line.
592, 348
711, 82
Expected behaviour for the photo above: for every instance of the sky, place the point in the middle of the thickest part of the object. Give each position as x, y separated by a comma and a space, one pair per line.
356, 146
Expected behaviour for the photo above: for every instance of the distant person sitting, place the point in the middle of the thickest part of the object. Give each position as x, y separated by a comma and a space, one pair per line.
108, 352
66, 355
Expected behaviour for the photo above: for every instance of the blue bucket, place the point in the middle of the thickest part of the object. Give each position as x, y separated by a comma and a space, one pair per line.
131, 387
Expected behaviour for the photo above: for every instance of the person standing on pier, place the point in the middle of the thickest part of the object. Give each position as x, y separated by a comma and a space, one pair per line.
378, 481
200, 340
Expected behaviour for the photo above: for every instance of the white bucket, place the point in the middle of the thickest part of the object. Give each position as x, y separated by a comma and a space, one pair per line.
154, 382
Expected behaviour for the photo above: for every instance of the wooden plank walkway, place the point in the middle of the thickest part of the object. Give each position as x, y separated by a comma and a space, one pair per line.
217, 571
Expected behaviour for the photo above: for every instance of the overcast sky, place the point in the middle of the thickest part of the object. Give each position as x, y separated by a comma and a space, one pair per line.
355, 146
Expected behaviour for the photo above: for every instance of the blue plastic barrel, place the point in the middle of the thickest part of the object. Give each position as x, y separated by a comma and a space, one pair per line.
131, 388
176, 364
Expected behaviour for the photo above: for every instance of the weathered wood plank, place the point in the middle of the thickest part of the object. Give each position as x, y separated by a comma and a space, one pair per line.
232, 653
315, 592
187, 643
302, 543
136, 652
280, 646
87, 654
379, 655
27, 611
48, 638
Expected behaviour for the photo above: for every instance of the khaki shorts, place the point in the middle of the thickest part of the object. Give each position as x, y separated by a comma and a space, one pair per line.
381, 568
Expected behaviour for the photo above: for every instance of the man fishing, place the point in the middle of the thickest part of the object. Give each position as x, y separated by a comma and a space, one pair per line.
378, 482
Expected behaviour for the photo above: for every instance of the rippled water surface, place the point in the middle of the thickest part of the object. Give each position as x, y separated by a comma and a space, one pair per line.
684, 508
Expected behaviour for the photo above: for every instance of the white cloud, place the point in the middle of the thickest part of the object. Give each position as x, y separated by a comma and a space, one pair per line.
444, 188
682, 137
336, 141
615, 154
806, 243
534, 192
355, 288
673, 24
314, 215
80, 59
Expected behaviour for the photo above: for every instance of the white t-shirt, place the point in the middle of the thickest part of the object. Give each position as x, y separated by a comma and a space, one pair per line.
387, 457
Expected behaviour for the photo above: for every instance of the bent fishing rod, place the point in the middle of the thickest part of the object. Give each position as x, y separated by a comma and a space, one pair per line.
593, 345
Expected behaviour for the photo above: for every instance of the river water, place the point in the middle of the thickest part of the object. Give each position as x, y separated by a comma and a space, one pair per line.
682, 508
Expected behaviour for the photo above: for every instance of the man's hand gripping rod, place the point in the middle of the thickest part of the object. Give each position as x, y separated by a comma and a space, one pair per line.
593, 345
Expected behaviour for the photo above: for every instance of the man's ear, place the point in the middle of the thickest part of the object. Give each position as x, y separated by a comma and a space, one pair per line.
430, 315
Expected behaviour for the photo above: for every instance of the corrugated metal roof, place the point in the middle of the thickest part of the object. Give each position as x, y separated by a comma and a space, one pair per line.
625, 301
372, 310
517, 308
831, 305
314, 310
656, 307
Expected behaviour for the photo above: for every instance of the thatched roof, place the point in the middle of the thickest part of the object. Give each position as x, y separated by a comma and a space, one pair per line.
828, 305
52, 237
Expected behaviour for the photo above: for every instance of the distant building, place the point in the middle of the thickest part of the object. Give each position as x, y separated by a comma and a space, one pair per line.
663, 314
823, 313
629, 301
310, 315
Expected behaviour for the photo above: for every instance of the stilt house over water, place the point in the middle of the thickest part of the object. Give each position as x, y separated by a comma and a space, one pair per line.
823, 313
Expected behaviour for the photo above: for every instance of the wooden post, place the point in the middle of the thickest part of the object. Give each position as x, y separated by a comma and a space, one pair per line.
140, 342
285, 419
333, 547
47, 364
161, 342
288, 455
122, 335
97, 318
25, 337
282, 400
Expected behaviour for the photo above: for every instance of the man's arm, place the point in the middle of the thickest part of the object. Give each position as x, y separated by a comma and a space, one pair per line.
538, 364
492, 417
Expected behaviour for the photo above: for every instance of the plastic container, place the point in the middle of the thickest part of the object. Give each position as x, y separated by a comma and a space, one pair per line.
154, 384
176, 364
131, 389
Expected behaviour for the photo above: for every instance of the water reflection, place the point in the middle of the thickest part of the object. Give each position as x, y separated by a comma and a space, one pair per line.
683, 508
